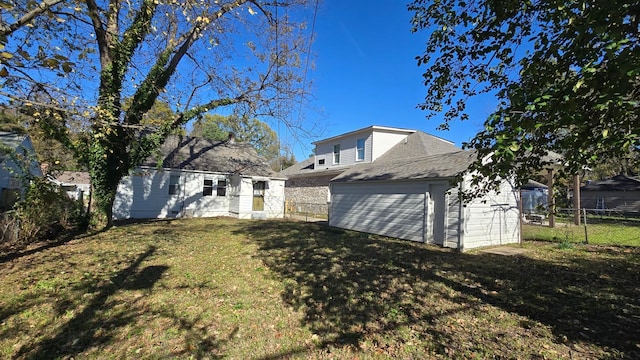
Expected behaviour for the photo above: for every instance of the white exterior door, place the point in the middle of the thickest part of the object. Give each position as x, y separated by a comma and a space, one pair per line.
439, 198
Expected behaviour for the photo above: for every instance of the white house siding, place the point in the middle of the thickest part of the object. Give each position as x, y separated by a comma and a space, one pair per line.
198, 205
324, 150
390, 209
145, 194
454, 236
427, 211
274, 199
494, 222
245, 200
384, 141
377, 142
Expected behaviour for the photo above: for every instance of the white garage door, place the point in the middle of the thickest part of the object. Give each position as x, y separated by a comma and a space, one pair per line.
391, 209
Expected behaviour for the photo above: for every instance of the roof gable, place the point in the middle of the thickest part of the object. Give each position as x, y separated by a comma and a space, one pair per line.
434, 166
190, 153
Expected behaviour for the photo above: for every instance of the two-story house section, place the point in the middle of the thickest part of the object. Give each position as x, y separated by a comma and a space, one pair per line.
307, 187
359, 146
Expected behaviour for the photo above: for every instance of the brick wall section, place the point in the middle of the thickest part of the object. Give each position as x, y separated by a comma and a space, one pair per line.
308, 194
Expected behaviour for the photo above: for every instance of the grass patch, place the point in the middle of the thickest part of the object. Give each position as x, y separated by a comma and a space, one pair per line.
621, 233
212, 288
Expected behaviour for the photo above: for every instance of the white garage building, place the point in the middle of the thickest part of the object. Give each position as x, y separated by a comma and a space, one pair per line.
414, 199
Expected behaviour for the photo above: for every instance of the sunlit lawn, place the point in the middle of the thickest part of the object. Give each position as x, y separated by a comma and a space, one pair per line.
224, 288
619, 233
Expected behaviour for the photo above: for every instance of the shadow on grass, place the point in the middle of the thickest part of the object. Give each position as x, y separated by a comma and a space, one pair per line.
97, 322
26, 250
352, 287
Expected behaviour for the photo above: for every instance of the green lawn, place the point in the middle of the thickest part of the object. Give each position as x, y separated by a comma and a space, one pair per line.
224, 288
620, 233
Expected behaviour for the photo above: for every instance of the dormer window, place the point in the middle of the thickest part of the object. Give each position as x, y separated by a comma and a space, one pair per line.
360, 149
336, 154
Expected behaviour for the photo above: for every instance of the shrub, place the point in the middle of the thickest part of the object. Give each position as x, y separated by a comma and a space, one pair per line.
43, 213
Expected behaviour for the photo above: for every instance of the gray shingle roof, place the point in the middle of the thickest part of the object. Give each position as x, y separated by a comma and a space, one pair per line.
425, 167
190, 153
416, 145
307, 167
616, 183
74, 177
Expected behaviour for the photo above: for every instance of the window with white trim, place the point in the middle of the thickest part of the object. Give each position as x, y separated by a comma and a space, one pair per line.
360, 149
336, 154
207, 187
221, 188
174, 184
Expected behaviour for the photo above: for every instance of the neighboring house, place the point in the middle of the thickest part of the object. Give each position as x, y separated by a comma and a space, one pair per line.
14, 146
77, 184
619, 193
414, 199
308, 181
200, 178
535, 196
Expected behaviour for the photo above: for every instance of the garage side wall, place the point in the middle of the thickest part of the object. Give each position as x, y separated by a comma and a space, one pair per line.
494, 222
453, 223
391, 209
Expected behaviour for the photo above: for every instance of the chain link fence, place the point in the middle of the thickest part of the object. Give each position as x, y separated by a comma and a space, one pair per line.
306, 211
589, 226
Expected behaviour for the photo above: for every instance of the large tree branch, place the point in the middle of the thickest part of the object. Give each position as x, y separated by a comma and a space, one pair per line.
40, 8
166, 65
101, 34
138, 30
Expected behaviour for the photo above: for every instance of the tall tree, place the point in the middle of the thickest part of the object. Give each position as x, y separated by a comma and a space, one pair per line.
244, 129
566, 74
196, 56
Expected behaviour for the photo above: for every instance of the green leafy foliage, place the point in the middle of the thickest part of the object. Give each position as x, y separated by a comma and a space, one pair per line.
45, 211
566, 75
244, 129
129, 73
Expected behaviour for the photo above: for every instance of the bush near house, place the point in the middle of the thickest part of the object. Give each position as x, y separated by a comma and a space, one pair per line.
44, 213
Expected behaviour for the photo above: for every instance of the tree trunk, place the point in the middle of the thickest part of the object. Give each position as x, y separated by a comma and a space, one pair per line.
102, 210
105, 167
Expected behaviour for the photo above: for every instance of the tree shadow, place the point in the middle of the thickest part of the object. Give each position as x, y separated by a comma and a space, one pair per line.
354, 286
33, 248
97, 322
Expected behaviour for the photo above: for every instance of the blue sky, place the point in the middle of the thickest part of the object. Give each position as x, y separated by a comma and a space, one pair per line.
366, 74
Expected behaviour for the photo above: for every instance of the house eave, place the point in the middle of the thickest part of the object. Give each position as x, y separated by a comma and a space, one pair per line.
369, 128
381, 181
